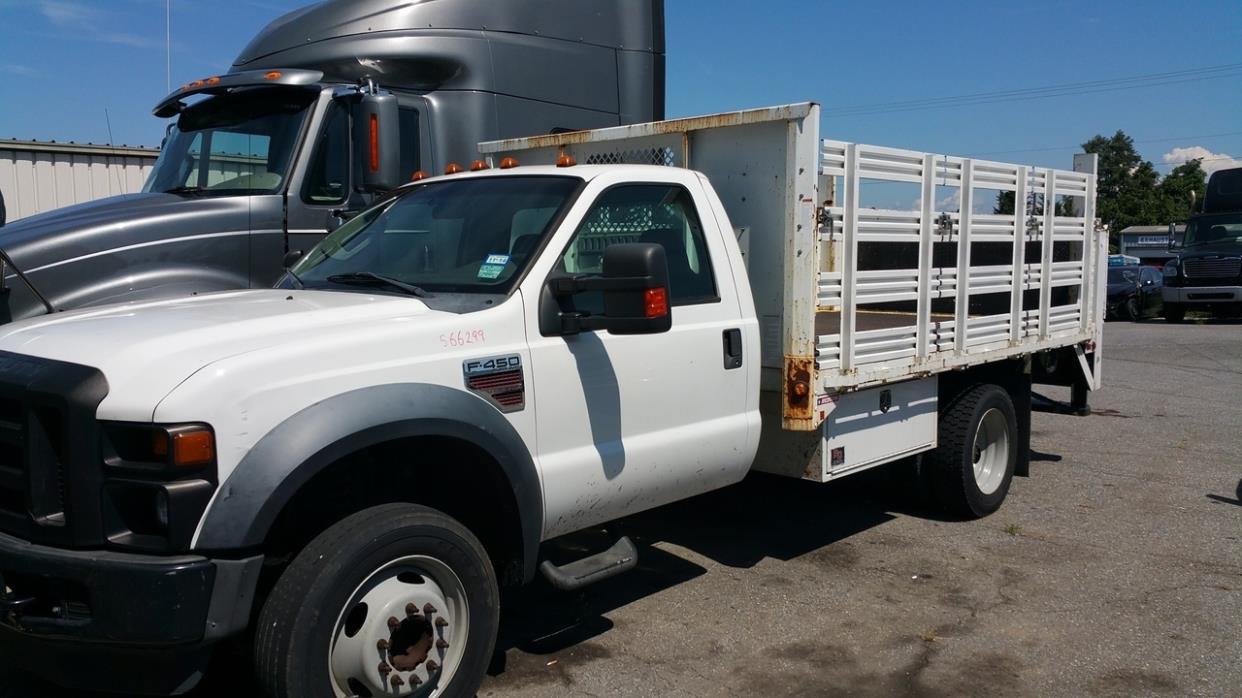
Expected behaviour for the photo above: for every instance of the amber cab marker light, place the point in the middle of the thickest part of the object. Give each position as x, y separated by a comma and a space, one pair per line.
193, 448
566, 161
478, 165
656, 301
508, 163
272, 75
453, 168
213, 81
418, 176
197, 84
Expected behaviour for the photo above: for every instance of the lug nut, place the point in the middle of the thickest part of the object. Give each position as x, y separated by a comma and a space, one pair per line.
393, 623
411, 609
441, 644
382, 645
441, 622
429, 609
415, 681
432, 665
384, 669
397, 681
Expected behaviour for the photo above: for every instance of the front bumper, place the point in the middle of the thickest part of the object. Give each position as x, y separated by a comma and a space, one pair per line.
1194, 295
118, 621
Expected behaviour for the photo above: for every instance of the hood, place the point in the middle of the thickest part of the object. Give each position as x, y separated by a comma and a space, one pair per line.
1217, 250
149, 348
118, 221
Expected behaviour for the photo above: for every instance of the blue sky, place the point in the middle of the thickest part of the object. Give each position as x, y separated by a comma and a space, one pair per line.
63, 62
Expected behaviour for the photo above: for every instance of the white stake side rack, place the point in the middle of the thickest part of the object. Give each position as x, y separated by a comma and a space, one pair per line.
831, 324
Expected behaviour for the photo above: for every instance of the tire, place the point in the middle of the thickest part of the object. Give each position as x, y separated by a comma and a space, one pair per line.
1133, 310
1174, 312
363, 574
980, 412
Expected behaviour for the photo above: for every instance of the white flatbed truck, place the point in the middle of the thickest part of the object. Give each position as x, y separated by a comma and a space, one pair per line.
349, 465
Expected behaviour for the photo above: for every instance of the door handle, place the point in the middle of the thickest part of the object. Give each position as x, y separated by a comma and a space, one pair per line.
732, 349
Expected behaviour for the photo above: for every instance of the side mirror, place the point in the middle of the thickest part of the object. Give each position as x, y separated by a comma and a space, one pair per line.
3, 214
292, 257
634, 283
1173, 243
377, 136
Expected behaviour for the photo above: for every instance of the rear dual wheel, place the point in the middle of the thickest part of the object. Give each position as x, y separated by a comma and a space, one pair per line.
972, 466
396, 600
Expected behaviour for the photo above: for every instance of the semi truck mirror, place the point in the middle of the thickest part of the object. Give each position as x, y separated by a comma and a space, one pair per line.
634, 285
377, 136
1173, 245
3, 213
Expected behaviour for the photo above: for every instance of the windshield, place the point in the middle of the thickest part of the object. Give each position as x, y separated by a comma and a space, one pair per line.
1122, 276
1216, 229
471, 235
232, 144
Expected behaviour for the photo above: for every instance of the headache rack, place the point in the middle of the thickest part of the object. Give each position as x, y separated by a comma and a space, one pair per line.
988, 261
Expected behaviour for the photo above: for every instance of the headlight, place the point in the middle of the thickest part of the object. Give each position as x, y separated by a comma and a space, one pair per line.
158, 480
1170, 268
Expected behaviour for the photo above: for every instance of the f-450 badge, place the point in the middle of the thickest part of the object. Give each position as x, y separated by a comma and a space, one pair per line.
497, 379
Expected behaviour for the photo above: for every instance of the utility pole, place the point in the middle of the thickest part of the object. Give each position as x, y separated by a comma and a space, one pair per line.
167, 46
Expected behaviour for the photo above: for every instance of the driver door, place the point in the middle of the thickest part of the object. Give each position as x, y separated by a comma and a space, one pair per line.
629, 422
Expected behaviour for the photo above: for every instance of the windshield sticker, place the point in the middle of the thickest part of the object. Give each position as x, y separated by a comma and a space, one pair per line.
501, 259
491, 271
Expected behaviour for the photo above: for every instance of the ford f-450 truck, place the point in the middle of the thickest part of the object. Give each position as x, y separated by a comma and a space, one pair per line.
350, 465
326, 108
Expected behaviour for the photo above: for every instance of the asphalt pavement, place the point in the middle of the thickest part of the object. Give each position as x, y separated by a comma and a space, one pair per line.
1115, 569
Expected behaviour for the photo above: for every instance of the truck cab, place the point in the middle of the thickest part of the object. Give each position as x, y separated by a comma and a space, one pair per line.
1207, 273
268, 157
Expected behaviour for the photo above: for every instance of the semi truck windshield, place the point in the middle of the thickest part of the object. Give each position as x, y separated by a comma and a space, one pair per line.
232, 144
1214, 229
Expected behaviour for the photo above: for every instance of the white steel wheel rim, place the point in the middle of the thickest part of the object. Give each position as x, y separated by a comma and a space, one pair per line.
422, 595
990, 451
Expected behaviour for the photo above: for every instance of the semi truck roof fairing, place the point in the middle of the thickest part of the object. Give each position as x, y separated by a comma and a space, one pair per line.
558, 51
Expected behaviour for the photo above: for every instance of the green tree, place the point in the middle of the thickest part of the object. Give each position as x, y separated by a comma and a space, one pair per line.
1175, 191
1126, 191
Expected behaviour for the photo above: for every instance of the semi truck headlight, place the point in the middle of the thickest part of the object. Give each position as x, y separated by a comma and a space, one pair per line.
1170, 268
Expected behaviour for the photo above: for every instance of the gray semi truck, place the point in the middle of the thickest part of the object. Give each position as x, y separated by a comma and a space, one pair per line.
326, 108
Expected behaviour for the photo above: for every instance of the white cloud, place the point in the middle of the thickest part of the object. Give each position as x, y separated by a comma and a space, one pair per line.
15, 69
63, 13
1210, 161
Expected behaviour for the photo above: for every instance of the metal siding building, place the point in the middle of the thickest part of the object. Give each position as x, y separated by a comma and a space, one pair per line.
36, 176
1150, 243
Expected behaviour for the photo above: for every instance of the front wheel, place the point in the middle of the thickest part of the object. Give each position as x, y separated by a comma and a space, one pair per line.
396, 600
1174, 312
972, 466
1133, 309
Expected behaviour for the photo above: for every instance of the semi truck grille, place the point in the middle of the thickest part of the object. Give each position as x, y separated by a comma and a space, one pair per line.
1226, 268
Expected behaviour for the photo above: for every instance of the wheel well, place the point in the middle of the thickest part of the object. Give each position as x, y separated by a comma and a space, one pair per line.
1015, 377
448, 474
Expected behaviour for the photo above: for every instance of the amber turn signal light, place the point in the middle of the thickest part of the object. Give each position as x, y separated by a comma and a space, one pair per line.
184, 447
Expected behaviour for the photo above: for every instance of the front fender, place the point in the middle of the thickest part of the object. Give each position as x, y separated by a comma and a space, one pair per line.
302, 446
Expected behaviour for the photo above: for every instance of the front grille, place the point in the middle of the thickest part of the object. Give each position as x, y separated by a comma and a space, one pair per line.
50, 467
1224, 268
32, 471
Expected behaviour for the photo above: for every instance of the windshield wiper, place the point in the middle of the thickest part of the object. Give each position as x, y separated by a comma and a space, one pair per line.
186, 190
367, 278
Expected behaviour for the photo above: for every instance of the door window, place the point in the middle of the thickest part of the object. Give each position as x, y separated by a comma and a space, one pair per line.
408, 120
327, 179
655, 213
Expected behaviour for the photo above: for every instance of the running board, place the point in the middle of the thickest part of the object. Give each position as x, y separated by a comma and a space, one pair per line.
1077, 407
621, 557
